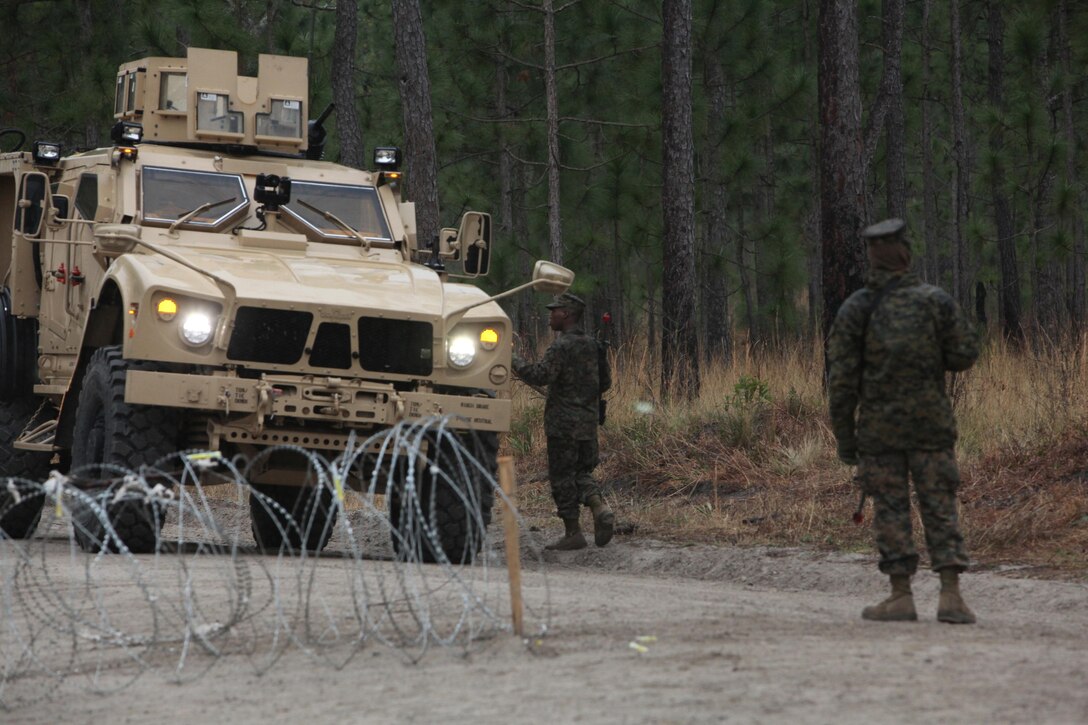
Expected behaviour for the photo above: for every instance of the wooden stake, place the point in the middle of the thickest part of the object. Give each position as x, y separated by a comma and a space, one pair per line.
513, 547
717, 508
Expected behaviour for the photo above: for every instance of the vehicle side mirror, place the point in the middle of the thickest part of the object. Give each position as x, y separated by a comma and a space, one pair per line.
33, 191
551, 278
474, 238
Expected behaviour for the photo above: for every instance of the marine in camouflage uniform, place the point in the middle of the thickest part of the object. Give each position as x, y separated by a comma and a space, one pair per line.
890, 346
569, 371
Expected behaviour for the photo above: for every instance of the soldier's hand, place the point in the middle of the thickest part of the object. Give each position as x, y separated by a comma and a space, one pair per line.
848, 453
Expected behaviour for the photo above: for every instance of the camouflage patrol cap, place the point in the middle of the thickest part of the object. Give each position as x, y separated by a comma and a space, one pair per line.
567, 300
888, 228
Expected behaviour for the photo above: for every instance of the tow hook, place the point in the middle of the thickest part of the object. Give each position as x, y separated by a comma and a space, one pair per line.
333, 409
264, 403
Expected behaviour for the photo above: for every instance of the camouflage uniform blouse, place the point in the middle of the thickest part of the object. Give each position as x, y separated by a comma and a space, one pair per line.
898, 386
569, 370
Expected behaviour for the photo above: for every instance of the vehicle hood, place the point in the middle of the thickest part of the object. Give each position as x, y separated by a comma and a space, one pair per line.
282, 280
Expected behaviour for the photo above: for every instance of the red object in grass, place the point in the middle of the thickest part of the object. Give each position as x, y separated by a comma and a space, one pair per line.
606, 318
858, 517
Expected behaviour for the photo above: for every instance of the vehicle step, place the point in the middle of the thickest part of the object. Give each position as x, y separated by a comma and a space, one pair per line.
38, 438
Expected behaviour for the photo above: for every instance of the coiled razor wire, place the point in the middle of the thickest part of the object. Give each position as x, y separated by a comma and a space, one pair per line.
100, 620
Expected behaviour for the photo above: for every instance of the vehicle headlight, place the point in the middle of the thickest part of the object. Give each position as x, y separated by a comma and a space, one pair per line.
462, 351
196, 328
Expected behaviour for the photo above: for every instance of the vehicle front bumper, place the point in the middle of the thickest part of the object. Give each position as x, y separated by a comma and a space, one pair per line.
311, 411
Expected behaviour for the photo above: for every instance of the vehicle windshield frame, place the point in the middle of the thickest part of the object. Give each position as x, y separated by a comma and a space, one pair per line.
308, 221
203, 190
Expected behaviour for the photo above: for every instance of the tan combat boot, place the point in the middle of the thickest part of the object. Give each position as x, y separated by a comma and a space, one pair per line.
950, 607
572, 540
604, 521
899, 607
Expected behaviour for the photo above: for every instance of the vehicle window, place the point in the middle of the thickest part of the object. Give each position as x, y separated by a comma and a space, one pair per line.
172, 96
119, 95
168, 194
130, 104
87, 196
213, 114
285, 120
358, 206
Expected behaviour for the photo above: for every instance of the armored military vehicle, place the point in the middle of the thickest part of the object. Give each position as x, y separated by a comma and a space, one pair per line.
208, 282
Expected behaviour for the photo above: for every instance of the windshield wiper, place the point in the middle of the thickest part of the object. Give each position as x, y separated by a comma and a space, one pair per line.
338, 222
190, 214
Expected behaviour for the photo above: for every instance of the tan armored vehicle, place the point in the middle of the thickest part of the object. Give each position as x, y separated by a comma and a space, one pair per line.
207, 282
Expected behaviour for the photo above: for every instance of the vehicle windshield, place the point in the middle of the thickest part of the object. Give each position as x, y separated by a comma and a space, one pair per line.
358, 206
169, 194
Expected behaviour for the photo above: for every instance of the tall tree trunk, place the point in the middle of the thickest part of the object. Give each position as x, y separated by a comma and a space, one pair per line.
271, 22
504, 229
679, 338
1045, 282
812, 218
767, 287
344, 95
617, 293
1047, 271
551, 93
886, 117
528, 250
960, 283
1008, 297
415, 101
651, 315
929, 177
895, 145
747, 291
1072, 178
85, 10
717, 330
841, 169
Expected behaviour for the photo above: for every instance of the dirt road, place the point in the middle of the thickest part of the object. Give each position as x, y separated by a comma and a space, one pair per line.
730, 635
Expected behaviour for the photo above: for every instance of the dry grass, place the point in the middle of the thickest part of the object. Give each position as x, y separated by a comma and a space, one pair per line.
752, 459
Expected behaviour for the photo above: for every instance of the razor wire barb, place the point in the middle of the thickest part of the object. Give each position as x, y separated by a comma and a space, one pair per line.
362, 563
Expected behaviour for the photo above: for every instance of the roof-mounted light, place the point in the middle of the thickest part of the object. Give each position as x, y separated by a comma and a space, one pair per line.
45, 152
127, 133
388, 177
387, 158
123, 153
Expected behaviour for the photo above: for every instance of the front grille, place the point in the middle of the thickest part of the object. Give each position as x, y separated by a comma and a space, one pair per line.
332, 346
276, 337
395, 346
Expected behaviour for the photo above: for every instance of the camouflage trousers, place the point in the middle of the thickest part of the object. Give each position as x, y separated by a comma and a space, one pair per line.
884, 478
570, 471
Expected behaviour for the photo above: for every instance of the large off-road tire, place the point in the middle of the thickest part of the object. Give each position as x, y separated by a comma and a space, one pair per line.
455, 501
110, 431
306, 522
18, 352
19, 520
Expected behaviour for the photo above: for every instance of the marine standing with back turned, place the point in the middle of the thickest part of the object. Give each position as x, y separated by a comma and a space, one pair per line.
569, 370
890, 346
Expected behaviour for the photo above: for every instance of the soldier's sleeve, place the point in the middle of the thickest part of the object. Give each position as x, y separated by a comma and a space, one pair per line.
844, 360
543, 372
958, 339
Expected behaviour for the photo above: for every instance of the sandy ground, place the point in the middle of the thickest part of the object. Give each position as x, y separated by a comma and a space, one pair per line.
730, 635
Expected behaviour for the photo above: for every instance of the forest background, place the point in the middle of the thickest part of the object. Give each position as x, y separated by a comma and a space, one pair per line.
705, 167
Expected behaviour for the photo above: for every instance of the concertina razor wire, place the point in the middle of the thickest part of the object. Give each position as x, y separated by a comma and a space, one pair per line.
379, 550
